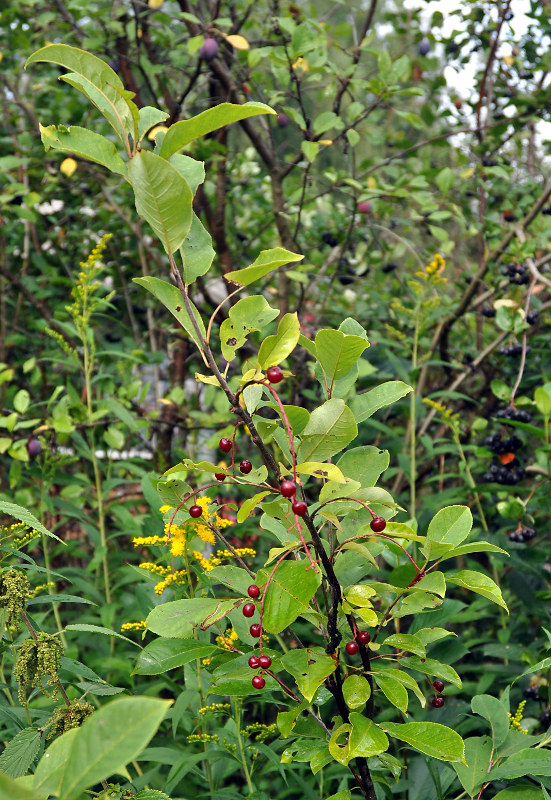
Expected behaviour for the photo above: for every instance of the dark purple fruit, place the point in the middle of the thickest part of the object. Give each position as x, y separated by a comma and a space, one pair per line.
34, 448
209, 49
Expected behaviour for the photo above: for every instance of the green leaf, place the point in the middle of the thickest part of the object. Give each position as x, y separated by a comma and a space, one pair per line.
185, 131
330, 428
171, 297
108, 740
393, 690
20, 752
51, 767
286, 720
473, 547
163, 198
479, 583
405, 679
406, 641
318, 469
20, 513
10, 790
267, 261
189, 168
97, 81
325, 121
365, 738
478, 752
309, 667
149, 116
248, 314
84, 143
357, 691
360, 594
21, 401
293, 585
526, 762
196, 252
521, 793
178, 618
365, 464
445, 180
366, 404
429, 666
235, 578
337, 353
163, 655
432, 739
447, 529
85, 628
310, 149
151, 794
250, 504
543, 401
492, 710
275, 349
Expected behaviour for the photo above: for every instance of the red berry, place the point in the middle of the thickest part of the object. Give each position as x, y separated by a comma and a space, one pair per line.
225, 445
364, 207
274, 374
245, 467
363, 637
437, 702
195, 512
255, 630
377, 524
438, 686
248, 610
220, 476
254, 662
265, 662
258, 682
352, 648
288, 488
253, 591
299, 508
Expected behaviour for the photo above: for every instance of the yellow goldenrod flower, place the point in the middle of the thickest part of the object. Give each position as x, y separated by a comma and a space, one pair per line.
164, 509
216, 708
227, 639
133, 626
147, 541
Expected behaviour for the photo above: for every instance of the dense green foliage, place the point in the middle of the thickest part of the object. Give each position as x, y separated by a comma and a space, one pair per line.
235, 188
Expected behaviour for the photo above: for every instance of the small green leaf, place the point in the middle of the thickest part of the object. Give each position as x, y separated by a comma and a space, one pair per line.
177, 619
356, 691
267, 261
250, 504
526, 762
478, 753
432, 739
163, 655
21, 401
20, 752
337, 353
429, 666
310, 667
289, 593
85, 628
495, 712
330, 428
196, 252
365, 464
276, 348
393, 690
366, 404
84, 143
479, 583
171, 297
248, 314
163, 198
185, 131
406, 641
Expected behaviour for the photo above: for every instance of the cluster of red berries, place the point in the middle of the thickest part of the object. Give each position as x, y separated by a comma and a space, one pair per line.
352, 647
289, 490
245, 466
437, 702
264, 662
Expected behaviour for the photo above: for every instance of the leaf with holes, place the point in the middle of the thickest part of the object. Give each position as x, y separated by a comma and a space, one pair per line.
309, 667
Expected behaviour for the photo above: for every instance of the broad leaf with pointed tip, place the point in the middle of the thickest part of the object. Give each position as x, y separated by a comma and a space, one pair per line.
366, 404
266, 262
330, 428
431, 738
291, 588
84, 143
171, 297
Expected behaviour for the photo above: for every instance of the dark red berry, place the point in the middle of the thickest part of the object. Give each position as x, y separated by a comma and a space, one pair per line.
220, 476
253, 591
254, 662
245, 467
282, 120
209, 49
265, 662
363, 637
225, 445
195, 512
255, 630
437, 702
299, 508
364, 207
438, 686
377, 524
274, 374
288, 488
352, 648
258, 682
248, 610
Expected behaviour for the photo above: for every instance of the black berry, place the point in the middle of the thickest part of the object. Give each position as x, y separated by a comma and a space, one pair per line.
209, 49
438, 686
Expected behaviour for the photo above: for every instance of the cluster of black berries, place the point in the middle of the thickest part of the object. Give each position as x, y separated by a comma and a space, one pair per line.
531, 692
532, 317
511, 350
500, 446
506, 474
524, 534
488, 312
514, 414
517, 273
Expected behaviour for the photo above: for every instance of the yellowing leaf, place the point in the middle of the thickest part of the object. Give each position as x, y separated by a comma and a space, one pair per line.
239, 42
68, 167
371, 182
155, 3
467, 173
326, 141
158, 128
